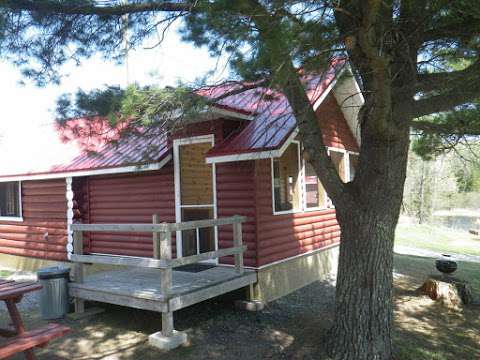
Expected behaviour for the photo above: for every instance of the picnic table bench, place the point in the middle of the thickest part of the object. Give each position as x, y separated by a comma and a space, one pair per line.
20, 340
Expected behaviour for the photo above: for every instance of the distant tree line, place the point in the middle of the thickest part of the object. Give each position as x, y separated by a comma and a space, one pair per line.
442, 181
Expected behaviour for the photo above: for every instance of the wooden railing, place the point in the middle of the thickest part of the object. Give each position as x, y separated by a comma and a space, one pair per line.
162, 247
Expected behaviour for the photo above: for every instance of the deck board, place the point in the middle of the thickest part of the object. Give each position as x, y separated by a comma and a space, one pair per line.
140, 287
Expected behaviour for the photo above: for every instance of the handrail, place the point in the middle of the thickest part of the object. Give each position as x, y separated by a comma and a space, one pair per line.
162, 244
163, 227
156, 263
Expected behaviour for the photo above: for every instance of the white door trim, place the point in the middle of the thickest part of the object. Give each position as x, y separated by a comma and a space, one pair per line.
178, 205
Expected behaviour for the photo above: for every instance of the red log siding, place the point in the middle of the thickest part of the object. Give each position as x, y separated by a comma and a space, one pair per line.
44, 208
236, 196
336, 132
283, 236
129, 199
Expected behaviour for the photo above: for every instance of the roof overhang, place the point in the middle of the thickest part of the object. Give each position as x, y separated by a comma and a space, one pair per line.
90, 172
348, 96
232, 114
255, 155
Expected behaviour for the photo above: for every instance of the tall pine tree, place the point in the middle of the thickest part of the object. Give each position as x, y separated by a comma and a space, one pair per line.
402, 53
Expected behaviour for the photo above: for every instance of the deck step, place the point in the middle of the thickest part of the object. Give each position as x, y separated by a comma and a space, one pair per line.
31, 339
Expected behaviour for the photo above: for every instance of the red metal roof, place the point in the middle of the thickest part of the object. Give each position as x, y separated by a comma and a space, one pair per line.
274, 120
90, 147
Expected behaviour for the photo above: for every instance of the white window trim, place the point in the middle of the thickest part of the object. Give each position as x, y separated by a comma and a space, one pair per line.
20, 208
300, 173
304, 208
178, 199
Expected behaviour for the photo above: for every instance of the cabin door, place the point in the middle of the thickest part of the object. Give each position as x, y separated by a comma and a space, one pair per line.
194, 194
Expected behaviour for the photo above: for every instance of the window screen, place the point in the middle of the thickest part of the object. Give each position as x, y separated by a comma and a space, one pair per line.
286, 180
10, 199
315, 193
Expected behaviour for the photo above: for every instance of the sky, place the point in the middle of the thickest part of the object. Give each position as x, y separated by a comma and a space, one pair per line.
28, 111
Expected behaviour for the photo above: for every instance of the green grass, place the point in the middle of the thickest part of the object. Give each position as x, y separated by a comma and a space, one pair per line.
426, 329
419, 268
437, 238
5, 273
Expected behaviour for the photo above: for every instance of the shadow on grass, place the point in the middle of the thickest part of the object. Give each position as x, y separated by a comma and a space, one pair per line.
292, 327
426, 329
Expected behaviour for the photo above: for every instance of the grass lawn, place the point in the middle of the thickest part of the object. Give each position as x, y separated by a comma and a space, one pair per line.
5, 273
427, 330
439, 239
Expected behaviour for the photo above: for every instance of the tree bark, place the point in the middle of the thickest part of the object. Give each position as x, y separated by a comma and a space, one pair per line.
363, 309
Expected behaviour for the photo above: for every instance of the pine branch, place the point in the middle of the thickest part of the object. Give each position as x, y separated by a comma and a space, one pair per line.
444, 128
88, 8
453, 79
447, 100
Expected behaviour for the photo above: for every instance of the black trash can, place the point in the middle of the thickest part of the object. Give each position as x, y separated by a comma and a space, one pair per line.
54, 300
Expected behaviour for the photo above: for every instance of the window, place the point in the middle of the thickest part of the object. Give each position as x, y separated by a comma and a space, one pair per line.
296, 186
287, 180
315, 196
10, 202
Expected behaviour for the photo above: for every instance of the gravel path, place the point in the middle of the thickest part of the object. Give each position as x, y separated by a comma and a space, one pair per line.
406, 250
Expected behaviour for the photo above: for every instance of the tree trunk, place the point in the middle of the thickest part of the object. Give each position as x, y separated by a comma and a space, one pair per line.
363, 310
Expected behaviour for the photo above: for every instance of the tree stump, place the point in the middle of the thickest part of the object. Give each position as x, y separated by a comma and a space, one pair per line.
449, 290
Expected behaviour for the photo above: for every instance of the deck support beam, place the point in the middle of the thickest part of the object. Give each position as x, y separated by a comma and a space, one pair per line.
168, 338
79, 271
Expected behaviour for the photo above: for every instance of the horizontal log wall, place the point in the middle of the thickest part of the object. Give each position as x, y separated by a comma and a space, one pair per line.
236, 196
43, 231
283, 236
124, 199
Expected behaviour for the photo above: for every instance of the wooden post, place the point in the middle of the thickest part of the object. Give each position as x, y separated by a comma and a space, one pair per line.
78, 269
156, 238
237, 241
166, 280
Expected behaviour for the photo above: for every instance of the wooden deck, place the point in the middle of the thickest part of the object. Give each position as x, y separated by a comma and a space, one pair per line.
157, 283
140, 287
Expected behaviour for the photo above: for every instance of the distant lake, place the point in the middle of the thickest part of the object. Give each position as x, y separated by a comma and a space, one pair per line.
457, 220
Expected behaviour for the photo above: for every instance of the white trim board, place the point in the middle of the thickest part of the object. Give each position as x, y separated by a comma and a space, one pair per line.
20, 206
115, 170
232, 114
178, 200
257, 155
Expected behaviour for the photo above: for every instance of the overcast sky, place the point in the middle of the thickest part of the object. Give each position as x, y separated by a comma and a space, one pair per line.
27, 111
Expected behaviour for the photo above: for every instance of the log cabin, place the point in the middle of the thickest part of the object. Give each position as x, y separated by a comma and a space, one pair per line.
245, 159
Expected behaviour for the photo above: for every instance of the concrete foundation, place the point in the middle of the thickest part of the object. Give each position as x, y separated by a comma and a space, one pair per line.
253, 305
22, 263
282, 278
167, 343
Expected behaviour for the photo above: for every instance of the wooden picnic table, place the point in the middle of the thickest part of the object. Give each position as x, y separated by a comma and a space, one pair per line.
20, 340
